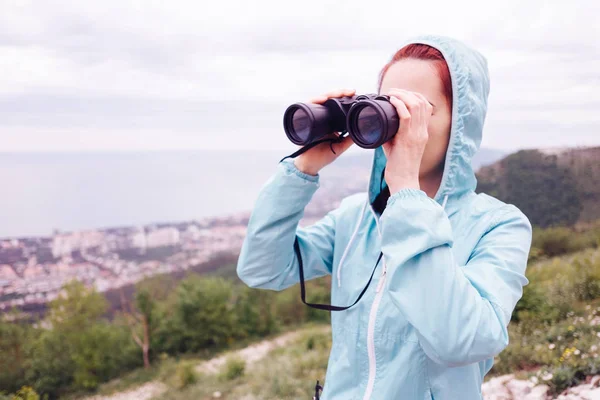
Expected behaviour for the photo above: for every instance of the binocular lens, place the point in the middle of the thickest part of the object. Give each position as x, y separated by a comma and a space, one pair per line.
304, 123
370, 120
369, 126
301, 125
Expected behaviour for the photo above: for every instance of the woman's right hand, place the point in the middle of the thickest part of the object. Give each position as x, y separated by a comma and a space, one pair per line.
313, 160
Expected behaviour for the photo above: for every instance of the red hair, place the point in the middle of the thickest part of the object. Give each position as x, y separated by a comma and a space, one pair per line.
420, 51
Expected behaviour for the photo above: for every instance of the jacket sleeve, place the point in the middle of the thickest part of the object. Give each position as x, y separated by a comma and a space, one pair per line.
267, 258
460, 312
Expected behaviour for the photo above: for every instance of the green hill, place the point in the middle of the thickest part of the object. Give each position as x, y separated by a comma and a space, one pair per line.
551, 186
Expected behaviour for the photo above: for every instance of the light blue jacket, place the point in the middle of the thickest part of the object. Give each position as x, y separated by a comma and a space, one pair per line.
454, 265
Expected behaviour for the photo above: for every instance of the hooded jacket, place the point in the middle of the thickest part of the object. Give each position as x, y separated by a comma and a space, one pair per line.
437, 311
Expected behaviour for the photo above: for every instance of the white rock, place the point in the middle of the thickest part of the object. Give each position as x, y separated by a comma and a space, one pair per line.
519, 389
537, 393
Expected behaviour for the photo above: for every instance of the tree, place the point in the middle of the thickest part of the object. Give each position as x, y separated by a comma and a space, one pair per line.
76, 308
140, 317
81, 349
256, 312
144, 314
202, 315
15, 336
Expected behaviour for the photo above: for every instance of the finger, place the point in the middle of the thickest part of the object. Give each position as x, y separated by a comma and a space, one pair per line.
335, 93
428, 105
402, 111
349, 92
343, 145
413, 103
318, 100
409, 98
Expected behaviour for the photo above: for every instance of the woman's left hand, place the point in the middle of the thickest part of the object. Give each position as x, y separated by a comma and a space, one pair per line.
405, 150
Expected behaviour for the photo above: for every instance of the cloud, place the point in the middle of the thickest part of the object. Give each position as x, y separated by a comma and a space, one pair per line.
149, 75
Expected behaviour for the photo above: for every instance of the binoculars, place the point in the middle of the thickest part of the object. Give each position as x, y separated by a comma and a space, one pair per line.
369, 119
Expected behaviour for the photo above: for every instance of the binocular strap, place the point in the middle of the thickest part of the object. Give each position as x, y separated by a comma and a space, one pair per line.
316, 142
327, 307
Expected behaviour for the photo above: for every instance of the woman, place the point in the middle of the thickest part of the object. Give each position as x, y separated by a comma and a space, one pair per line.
453, 261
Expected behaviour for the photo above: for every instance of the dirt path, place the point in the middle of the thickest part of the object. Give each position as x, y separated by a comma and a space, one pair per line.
144, 392
250, 354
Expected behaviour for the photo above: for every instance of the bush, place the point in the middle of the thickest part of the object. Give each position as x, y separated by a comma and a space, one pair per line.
198, 302
185, 375
585, 279
556, 241
534, 305
553, 241
317, 341
562, 378
234, 368
26, 393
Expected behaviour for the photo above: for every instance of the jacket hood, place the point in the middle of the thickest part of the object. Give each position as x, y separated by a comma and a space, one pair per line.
470, 89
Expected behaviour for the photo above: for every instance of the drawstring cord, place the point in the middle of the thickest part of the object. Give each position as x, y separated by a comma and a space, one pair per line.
356, 228
444, 202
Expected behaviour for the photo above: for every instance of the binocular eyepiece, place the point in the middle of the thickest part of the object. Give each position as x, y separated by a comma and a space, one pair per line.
369, 119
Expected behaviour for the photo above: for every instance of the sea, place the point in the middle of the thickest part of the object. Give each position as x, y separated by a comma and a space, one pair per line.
46, 192
41, 193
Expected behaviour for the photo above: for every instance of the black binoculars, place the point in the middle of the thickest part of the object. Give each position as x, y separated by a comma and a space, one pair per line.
369, 119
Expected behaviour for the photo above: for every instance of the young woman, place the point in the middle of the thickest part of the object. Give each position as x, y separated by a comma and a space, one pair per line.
454, 261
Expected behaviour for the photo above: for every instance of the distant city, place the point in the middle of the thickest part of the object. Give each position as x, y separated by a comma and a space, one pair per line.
33, 270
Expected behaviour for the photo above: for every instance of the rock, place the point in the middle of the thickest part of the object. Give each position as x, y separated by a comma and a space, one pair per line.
537, 393
495, 388
519, 389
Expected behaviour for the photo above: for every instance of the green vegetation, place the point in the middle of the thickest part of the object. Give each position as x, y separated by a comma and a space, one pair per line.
544, 189
289, 372
555, 329
77, 347
234, 368
25, 393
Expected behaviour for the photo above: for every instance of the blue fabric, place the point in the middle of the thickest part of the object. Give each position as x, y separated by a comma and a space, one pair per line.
454, 265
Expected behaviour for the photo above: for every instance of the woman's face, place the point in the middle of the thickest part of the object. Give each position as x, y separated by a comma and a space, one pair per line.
421, 76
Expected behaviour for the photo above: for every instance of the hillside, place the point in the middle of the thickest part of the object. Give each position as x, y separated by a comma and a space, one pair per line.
551, 186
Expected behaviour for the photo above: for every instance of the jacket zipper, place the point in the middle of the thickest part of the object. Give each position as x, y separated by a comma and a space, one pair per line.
371, 333
371, 327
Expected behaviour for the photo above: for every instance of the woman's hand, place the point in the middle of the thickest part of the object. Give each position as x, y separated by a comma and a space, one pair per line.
313, 160
405, 150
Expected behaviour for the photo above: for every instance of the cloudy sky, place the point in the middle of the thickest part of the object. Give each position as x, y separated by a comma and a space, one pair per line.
148, 75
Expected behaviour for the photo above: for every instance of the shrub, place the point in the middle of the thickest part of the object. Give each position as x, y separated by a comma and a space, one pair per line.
185, 375
534, 305
585, 279
317, 341
234, 368
26, 393
553, 241
562, 378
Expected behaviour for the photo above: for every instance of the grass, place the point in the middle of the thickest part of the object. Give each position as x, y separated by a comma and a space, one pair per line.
554, 339
288, 372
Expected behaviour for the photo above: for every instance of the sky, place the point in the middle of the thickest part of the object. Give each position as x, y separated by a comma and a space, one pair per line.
129, 75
